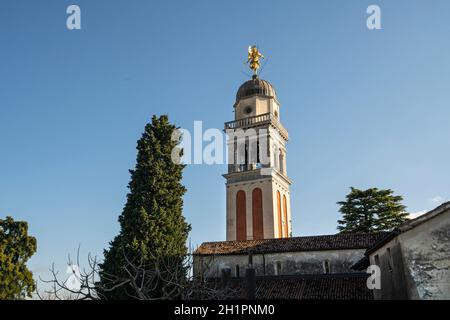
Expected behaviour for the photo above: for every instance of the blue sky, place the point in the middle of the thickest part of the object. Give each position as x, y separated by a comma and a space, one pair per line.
363, 108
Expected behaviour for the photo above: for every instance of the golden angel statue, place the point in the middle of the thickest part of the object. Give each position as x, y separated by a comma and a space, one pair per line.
253, 58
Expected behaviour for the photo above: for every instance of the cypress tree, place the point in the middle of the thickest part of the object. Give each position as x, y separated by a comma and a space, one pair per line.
371, 210
153, 229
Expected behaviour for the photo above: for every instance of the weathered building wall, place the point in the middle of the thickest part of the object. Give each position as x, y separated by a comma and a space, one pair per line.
426, 254
289, 263
416, 263
389, 259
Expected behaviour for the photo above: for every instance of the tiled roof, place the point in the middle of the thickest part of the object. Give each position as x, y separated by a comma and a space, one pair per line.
324, 287
309, 287
408, 225
294, 244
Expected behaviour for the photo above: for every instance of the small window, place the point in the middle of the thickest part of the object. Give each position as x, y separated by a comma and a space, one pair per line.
248, 110
389, 259
277, 268
225, 271
377, 260
281, 161
326, 266
237, 271
276, 113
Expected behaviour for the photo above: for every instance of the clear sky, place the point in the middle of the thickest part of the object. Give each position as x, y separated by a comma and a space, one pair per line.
363, 108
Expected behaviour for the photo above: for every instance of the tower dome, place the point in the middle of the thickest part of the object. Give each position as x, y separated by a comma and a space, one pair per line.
255, 86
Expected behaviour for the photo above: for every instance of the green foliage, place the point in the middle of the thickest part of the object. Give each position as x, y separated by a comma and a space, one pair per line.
371, 210
16, 247
153, 229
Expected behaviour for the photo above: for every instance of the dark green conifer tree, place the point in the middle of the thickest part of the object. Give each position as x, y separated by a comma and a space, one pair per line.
371, 210
153, 230
16, 247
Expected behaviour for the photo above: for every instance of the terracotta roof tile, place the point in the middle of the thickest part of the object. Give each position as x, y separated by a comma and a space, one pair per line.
324, 287
311, 243
307, 287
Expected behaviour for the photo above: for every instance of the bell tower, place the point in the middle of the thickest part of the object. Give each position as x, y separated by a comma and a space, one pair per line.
257, 185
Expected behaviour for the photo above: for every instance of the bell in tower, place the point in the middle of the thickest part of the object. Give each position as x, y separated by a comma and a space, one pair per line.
257, 185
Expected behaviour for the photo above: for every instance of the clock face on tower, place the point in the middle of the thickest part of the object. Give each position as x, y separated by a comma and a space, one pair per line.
248, 110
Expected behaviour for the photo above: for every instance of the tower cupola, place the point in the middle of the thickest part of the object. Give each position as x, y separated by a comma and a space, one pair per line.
258, 195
